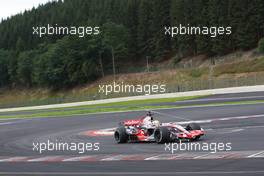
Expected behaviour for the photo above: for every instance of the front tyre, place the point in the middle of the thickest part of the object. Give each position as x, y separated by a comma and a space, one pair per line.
193, 126
120, 135
162, 135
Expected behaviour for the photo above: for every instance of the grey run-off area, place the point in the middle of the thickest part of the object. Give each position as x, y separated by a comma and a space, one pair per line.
245, 134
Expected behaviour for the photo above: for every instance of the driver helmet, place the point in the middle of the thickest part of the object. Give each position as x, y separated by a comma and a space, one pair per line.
150, 114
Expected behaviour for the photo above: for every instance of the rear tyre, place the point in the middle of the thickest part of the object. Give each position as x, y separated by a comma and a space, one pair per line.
121, 124
120, 135
193, 126
162, 135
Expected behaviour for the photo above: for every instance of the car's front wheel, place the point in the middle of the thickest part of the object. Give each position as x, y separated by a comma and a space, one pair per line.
193, 126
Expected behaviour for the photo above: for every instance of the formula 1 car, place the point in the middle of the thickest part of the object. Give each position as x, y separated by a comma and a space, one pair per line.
147, 129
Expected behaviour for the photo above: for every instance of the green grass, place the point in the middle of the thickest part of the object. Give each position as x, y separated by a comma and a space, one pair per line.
256, 65
64, 113
105, 107
140, 102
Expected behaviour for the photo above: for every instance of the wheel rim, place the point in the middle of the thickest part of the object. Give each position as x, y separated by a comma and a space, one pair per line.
117, 137
158, 136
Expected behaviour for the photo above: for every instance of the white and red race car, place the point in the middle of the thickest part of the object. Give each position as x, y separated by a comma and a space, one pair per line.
147, 129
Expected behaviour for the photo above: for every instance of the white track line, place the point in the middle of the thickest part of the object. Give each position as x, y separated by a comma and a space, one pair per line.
255, 154
46, 158
5, 123
13, 121
227, 98
138, 173
222, 119
123, 157
200, 156
15, 159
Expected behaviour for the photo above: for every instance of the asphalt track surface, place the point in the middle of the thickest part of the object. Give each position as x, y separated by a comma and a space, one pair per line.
242, 125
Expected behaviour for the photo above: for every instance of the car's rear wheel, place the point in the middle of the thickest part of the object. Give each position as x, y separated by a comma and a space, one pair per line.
193, 126
162, 135
121, 124
120, 135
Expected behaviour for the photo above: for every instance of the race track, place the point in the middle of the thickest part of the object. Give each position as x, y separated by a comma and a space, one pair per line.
242, 125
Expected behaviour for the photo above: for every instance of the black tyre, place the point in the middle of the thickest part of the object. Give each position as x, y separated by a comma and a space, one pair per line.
193, 126
121, 124
197, 138
120, 135
162, 135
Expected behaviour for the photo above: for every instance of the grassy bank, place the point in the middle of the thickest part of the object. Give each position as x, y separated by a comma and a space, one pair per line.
232, 71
